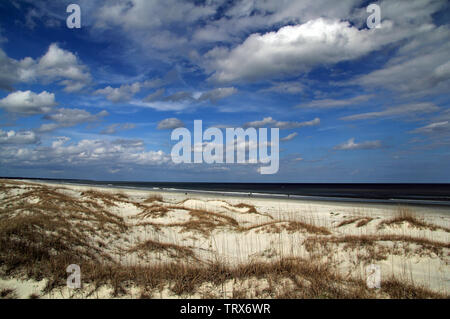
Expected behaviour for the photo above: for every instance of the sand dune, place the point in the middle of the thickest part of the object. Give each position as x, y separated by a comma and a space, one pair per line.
146, 244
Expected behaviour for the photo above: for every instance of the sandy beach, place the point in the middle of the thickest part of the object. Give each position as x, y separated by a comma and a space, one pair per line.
153, 244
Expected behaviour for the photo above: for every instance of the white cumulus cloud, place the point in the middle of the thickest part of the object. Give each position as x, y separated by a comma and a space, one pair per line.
13, 137
27, 102
291, 50
126, 91
56, 65
64, 117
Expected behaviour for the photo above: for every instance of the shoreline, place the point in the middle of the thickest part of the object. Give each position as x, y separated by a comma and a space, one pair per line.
369, 202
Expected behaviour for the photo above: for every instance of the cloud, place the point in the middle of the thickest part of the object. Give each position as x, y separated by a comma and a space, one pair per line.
162, 106
270, 122
30, 17
396, 111
169, 124
162, 36
351, 145
85, 152
207, 21
332, 103
242, 17
289, 137
213, 95
59, 65
155, 96
64, 117
76, 116
291, 50
44, 128
125, 92
13, 137
323, 34
286, 88
217, 94
38, 15
114, 128
419, 67
56, 65
181, 96
182, 100
134, 14
28, 103
439, 127
9, 73
224, 22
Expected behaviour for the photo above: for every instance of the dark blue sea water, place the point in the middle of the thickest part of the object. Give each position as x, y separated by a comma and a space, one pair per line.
425, 194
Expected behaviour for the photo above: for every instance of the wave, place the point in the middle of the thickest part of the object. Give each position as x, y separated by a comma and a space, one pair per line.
414, 194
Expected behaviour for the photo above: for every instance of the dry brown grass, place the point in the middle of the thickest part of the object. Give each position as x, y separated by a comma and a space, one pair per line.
35, 246
201, 221
6, 182
204, 222
155, 211
348, 221
399, 289
289, 226
39, 239
108, 199
51, 233
308, 280
175, 251
312, 229
251, 208
8, 293
371, 241
404, 215
153, 198
203, 214
362, 221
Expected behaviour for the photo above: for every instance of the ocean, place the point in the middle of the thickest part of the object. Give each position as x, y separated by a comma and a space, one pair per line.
421, 194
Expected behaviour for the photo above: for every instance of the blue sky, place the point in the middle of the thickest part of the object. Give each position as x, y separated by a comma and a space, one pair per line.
353, 104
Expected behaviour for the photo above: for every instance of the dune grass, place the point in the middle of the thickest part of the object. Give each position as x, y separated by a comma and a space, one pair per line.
361, 221
405, 215
43, 230
8, 293
172, 249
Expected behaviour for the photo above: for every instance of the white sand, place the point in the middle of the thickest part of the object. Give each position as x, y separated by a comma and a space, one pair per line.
233, 246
